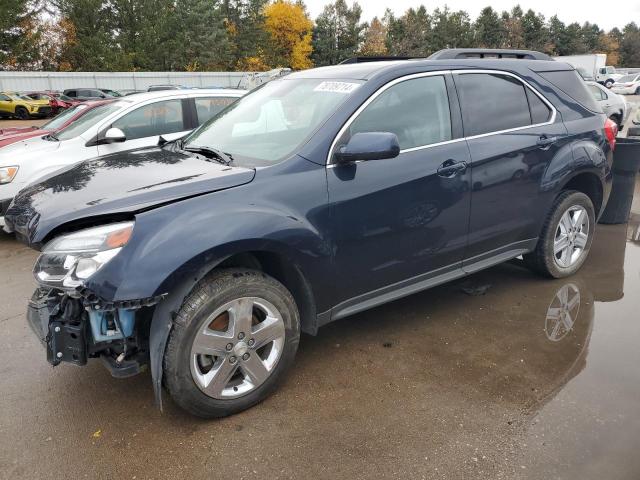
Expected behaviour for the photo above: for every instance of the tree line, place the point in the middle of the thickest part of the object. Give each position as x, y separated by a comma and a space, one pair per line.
207, 35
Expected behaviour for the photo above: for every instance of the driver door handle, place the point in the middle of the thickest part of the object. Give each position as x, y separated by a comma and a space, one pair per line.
451, 168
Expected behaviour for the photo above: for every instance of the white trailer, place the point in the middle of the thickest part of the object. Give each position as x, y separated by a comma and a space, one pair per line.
592, 67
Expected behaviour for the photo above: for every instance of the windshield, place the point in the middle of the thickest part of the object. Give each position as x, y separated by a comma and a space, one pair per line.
62, 118
89, 119
267, 125
21, 97
64, 98
627, 78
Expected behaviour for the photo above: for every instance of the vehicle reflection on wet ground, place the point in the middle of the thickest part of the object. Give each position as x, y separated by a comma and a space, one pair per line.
533, 378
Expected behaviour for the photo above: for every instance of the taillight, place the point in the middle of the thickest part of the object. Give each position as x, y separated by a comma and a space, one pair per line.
610, 131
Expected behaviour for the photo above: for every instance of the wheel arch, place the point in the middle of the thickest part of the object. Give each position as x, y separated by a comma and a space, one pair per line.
590, 184
270, 261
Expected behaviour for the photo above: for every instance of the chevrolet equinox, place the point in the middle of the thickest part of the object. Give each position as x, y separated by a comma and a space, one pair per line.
316, 196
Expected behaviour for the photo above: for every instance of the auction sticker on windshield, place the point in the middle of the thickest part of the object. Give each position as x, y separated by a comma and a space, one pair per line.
336, 87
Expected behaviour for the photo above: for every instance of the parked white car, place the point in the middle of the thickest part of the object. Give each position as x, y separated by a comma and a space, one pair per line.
131, 122
627, 85
613, 105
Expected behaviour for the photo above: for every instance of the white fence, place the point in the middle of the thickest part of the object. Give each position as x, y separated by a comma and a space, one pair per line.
23, 81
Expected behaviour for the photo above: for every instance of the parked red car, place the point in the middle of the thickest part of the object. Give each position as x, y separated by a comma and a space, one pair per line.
57, 100
15, 134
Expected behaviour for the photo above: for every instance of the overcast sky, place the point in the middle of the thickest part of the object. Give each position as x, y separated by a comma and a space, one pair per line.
606, 14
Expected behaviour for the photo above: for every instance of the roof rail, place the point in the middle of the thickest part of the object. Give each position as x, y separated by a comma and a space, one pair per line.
458, 53
374, 59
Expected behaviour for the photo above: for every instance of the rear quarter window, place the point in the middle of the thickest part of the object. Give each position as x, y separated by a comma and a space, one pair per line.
572, 84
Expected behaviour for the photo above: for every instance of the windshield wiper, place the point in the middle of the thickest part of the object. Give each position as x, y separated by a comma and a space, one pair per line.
217, 155
51, 137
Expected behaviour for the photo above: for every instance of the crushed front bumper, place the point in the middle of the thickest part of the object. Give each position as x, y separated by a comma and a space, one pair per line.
64, 342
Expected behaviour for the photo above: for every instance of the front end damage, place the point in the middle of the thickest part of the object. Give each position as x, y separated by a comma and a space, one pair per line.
75, 326
72, 321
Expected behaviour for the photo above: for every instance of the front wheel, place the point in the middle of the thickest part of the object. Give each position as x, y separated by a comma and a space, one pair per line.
233, 340
566, 236
22, 113
608, 83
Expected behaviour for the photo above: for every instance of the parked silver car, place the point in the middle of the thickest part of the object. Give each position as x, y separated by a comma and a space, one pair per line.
614, 105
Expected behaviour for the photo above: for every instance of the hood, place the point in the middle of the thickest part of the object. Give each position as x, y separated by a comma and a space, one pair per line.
26, 148
16, 130
119, 184
18, 136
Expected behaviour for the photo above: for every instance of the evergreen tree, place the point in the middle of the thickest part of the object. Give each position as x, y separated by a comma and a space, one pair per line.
488, 29
244, 20
89, 43
410, 35
338, 33
450, 30
630, 46
535, 35
20, 35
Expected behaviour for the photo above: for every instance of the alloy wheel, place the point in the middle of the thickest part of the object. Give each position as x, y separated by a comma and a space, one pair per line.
237, 347
572, 234
562, 312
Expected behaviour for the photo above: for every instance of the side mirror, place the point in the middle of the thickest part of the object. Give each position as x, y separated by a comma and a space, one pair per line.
113, 135
369, 146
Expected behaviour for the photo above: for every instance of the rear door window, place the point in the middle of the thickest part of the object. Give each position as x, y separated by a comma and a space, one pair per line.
159, 118
540, 111
416, 110
209, 107
492, 103
597, 93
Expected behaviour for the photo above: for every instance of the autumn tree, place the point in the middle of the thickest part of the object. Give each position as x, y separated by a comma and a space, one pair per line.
375, 39
289, 30
512, 36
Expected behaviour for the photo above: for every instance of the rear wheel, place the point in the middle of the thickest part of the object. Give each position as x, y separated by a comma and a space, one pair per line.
566, 236
22, 113
233, 340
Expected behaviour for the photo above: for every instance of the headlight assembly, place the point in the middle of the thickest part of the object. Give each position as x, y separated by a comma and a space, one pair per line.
67, 261
7, 174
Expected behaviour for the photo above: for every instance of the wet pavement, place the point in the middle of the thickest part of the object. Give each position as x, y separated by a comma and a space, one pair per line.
534, 379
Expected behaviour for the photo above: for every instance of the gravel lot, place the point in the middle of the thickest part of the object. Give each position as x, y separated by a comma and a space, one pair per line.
440, 385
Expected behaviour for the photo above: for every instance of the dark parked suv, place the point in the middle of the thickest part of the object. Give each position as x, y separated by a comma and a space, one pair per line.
317, 196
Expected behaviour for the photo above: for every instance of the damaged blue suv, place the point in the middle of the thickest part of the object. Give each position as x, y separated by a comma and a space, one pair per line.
317, 196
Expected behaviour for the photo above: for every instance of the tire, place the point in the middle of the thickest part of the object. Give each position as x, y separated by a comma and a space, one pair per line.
608, 83
637, 91
204, 385
543, 259
616, 119
22, 113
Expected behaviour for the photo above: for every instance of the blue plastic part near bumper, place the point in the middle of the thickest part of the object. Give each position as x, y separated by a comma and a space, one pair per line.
100, 329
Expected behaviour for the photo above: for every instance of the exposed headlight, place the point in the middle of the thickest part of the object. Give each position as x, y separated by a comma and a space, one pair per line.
69, 260
7, 174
